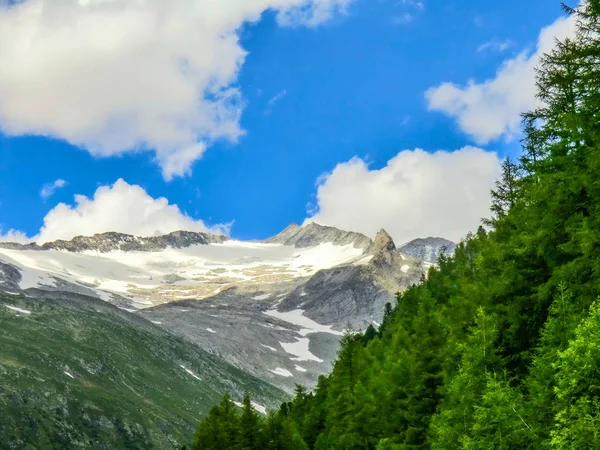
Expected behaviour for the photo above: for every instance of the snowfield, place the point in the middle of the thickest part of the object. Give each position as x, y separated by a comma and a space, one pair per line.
196, 272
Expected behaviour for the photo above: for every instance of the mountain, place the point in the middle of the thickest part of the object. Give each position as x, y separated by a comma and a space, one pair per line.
429, 249
314, 234
78, 372
275, 308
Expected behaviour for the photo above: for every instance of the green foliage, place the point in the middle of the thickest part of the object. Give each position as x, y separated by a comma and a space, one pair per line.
577, 423
226, 428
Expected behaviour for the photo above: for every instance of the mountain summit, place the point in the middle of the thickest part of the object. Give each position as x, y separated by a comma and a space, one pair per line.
313, 234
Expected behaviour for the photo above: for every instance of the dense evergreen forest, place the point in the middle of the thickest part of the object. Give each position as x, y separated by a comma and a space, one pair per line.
500, 347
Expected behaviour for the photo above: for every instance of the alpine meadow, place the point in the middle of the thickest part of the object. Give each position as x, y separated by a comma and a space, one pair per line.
500, 347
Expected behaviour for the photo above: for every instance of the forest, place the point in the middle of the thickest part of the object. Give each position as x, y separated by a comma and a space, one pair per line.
499, 348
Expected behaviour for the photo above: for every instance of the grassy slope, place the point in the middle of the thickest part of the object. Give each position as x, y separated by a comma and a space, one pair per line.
128, 390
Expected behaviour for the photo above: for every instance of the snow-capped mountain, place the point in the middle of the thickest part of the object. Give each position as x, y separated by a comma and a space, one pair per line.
274, 308
429, 249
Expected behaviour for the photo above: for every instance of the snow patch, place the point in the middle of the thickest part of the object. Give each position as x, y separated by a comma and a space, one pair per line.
300, 349
156, 322
257, 407
210, 330
68, 374
260, 408
300, 369
405, 268
282, 372
298, 318
14, 308
262, 297
270, 348
191, 373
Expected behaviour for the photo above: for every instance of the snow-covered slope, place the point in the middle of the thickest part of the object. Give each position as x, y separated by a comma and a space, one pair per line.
199, 271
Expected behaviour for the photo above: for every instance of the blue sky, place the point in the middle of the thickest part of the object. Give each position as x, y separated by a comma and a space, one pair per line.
312, 92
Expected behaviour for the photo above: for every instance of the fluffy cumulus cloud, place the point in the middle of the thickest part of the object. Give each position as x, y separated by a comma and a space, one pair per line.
491, 109
121, 207
417, 194
114, 76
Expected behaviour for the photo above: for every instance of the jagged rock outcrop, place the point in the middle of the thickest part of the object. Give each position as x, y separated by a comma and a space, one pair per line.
314, 234
107, 242
356, 294
429, 249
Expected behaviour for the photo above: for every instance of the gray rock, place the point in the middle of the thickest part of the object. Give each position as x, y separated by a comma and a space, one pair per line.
314, 234
107, 242
429, 249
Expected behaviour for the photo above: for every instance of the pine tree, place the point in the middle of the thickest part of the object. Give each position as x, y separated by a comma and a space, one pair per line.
220, 430
250, 436
280, 434
506, 193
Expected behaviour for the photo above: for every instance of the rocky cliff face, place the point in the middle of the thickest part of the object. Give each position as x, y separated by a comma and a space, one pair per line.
429, 249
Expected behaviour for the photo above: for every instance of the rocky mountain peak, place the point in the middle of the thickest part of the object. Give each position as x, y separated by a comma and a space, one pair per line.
429, 249
313, 234
383, 243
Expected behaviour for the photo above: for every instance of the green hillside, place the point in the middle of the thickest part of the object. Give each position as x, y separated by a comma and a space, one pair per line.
78, 374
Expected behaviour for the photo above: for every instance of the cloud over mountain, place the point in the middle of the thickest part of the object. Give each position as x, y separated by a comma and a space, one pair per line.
123, 208
416, 194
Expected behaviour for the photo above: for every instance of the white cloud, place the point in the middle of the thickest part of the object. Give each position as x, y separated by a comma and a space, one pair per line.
491, 109
415, 7
403, 19
417, 194
275, 99
122, 208
114, 76
495, 45
13, 236
49, 189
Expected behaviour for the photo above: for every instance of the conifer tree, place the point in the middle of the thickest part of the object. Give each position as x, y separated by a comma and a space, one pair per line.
250, 436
